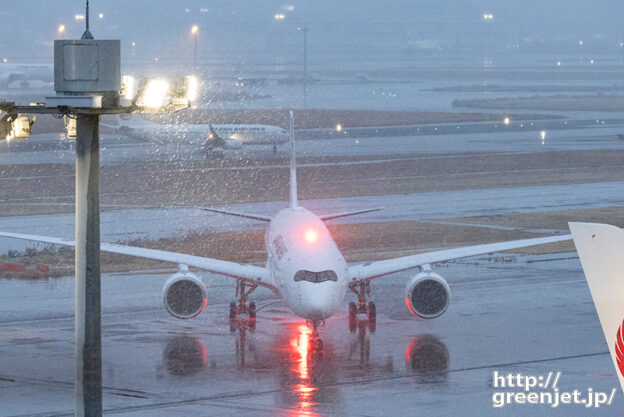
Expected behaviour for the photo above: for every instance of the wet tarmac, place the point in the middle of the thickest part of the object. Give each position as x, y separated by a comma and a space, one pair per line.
527, 314
517, 137
522, 314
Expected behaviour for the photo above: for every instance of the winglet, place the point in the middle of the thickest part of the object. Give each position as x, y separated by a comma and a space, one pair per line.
601, 250
293, 164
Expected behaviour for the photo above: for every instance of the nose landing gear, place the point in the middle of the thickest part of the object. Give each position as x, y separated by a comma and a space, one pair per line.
362, 290
316, 345
242, 292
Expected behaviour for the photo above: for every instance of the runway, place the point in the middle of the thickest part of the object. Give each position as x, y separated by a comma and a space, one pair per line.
532, 315
156, 223
52, 148
510, 313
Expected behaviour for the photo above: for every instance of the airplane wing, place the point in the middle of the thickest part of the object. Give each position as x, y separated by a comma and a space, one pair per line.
249, 273
371, 270
268, 219
238, 214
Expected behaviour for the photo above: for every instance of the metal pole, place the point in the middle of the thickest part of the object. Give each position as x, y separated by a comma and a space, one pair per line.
305, 67
305, 53
195, 53
88, 382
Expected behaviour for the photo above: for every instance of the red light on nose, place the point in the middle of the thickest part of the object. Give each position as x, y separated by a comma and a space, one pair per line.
310, 236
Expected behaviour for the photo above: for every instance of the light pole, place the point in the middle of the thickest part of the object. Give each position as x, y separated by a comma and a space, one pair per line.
84, 99
304, 29
194, 31
305, 53
488, 18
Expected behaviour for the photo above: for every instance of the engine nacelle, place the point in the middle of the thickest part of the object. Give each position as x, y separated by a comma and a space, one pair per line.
427, 295
184, 295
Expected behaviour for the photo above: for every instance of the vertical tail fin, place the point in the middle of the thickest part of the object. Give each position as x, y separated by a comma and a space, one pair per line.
601, 250
293, 164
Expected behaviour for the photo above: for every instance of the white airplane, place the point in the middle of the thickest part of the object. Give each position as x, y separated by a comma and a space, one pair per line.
212, 137
601, 250
305, 268
14, 72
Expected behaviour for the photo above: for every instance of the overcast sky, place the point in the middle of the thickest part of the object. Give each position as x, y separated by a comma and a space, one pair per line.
27, 27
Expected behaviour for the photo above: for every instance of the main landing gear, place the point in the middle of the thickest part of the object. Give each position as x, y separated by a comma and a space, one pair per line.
243, 290
362, 290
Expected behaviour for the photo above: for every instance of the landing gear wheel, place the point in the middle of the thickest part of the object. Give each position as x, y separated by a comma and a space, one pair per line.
317, 346
372, 317
352, 310
233, 322
372, 311
352, 316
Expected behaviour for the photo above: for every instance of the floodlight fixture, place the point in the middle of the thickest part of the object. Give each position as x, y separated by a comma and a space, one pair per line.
15, 126
191, 85
70, 126
128, 87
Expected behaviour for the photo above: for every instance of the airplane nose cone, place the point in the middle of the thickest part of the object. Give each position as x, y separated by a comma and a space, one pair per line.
317, 301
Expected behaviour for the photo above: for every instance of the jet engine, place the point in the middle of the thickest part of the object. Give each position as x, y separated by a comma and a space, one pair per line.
184, 295
427, 295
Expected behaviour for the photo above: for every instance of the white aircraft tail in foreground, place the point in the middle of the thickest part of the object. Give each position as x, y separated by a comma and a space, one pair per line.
306, 268
601, 250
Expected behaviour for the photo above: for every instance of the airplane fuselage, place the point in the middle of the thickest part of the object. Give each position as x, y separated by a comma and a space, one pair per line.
306, 265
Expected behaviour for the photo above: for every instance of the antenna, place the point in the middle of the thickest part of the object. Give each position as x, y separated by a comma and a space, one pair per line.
293, 164
87, 34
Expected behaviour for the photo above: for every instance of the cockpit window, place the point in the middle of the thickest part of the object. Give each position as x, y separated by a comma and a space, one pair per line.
316, 277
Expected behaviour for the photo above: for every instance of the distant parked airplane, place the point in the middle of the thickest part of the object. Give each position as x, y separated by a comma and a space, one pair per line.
11, 73
213, 136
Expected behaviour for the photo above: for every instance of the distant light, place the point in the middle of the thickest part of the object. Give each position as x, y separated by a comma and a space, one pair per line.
558, 63
101, 15
339, 128
5, 60
133, 43
621, 44
581, 43
488, 16
187, 10
280, 16
204, 10
128, 86
506, 120
357, 141
194, 29
79, 17
155, 93
591, 61
310, 235
191, 88
543, 135
61, 29
288, 7
156, 59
